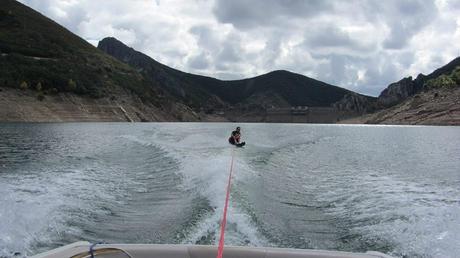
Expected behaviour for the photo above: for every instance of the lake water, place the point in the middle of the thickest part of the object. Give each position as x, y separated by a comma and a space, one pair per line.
392, 189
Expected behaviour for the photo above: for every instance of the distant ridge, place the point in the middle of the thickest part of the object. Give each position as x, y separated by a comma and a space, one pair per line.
274, 87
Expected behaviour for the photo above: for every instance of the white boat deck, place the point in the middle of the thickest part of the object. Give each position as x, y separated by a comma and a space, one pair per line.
81, 249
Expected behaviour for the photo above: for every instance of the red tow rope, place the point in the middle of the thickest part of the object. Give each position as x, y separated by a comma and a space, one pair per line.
220, 250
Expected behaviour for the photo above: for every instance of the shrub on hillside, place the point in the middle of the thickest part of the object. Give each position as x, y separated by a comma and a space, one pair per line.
456, 75
23, 85
442, 81
39, 87
71, 85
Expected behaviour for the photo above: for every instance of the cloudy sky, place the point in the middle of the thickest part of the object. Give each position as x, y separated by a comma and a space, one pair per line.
362, 45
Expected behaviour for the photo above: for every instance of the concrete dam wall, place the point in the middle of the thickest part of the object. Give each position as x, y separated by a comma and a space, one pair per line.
307, 115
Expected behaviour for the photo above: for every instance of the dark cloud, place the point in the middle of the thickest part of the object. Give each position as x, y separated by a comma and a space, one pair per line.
333, 38
453, 4
407, 18
330, 36
403, 18
223, 50
229, 54
206, 38
199, 62
406, 59
245, 14
362, 74
337, 70
382, 72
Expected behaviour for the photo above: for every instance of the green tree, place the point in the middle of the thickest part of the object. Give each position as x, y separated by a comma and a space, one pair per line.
23, 85
442, 81
456, 75
71, 85
39, 87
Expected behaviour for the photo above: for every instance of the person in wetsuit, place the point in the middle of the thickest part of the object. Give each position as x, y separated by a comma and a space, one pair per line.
235, 137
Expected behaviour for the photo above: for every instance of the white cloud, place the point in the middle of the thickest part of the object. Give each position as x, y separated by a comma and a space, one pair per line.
362, 45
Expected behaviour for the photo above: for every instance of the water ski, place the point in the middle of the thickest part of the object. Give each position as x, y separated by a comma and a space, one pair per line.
240, 144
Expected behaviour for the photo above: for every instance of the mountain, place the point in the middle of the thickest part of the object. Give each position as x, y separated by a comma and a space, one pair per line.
49, 74
399, 91
277, 88
432, 99
433, 107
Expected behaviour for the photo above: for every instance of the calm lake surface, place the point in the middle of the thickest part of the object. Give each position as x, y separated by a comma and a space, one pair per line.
392, 189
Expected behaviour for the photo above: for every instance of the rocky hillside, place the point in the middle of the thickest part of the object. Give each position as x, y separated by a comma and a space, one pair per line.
432, 107
277, 88
354, 102
24, 106
430, 100
48, 66
399, 91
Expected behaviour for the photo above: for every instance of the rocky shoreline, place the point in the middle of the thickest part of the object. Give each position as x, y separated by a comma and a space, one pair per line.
434, 107
24, 106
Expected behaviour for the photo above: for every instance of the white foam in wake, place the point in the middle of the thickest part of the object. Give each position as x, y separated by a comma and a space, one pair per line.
204, 169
